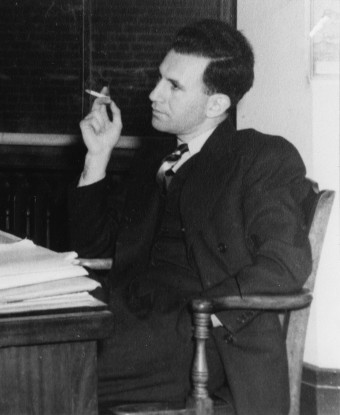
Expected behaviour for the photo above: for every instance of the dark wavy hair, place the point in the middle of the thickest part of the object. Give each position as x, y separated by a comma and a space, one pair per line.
231, 70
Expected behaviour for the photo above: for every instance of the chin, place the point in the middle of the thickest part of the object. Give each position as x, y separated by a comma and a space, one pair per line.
160, 126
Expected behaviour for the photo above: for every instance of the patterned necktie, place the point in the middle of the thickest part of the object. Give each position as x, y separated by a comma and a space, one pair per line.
165, 172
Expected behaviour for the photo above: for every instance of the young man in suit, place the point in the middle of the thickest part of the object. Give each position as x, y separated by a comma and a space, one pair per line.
225, 220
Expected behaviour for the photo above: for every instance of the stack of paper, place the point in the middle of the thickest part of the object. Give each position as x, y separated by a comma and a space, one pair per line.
36, 278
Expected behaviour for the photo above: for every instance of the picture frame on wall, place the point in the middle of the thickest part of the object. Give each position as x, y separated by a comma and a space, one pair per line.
324, 38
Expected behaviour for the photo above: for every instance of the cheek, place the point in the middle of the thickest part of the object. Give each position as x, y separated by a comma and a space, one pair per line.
188, 108
194, 111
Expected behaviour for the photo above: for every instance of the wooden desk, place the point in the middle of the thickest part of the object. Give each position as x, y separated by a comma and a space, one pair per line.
48, 363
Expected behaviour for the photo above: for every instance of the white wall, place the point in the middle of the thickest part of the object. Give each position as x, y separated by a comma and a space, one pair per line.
323, 337
285, 101
280, 101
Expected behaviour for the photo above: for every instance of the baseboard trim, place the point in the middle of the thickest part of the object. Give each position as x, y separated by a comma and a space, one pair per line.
320, 391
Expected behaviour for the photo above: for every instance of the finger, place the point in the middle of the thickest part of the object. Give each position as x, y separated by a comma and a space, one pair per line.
105, 91
104, 112
100, 102
116, 114
96, 115
96, 126
101, 115
91, 123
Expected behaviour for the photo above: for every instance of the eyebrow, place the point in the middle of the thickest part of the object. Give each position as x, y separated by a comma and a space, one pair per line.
171, 80
175, 82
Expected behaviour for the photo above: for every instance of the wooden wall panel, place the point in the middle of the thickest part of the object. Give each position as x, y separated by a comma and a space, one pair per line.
55, 379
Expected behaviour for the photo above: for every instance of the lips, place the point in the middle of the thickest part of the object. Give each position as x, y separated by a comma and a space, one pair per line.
157, 111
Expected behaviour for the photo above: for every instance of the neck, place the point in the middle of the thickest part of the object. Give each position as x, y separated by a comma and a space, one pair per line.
210, 124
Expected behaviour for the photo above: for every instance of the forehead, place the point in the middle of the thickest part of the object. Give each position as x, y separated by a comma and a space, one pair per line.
183, 68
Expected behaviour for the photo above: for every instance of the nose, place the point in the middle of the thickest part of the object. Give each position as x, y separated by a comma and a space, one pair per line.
156, 93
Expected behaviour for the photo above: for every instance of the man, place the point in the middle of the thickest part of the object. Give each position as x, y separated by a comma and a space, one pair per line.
224, 219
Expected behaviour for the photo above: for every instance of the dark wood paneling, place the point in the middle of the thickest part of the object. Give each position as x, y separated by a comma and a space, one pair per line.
34, 182
48, 363
53, 379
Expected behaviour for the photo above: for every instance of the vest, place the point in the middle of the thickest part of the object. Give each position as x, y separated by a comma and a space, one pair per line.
169, 257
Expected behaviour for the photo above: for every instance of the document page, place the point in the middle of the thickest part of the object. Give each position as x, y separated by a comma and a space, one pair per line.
34, 278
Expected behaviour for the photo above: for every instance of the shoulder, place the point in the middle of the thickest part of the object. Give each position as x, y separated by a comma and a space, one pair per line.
252, 142
268, 158
255, 146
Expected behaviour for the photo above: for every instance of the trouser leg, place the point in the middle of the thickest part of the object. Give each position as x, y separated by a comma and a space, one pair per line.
256, 367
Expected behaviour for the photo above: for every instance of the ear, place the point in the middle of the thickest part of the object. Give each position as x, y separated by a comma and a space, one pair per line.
217, 105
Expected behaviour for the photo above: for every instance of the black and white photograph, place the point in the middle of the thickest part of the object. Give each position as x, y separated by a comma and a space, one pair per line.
169, 207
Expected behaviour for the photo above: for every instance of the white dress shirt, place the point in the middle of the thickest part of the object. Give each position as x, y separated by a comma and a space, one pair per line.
194, 146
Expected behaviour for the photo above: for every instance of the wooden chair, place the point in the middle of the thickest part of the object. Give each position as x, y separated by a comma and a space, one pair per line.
293, 309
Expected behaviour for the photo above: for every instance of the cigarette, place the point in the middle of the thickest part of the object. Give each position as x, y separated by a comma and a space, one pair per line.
96, 94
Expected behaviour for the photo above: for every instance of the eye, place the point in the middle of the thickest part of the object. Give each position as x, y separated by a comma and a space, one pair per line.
174, 86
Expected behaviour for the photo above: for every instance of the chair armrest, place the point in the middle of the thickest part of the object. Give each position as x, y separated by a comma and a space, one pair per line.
256, 302
96, 263
203, 307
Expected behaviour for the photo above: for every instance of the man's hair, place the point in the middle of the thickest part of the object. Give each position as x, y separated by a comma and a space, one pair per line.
231, 70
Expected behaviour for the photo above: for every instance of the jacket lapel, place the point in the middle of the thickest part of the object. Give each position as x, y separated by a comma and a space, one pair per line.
212, 168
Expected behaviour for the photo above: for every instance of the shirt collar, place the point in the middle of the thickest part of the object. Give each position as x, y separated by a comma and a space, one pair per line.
197, 143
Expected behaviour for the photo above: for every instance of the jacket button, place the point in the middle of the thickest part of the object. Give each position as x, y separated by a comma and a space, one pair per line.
228, 338
222, 247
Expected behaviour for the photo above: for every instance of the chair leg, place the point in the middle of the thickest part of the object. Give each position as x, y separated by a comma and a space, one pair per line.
199, 402
200, 397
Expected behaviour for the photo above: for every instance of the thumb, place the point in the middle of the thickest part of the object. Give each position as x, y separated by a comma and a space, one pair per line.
105, 91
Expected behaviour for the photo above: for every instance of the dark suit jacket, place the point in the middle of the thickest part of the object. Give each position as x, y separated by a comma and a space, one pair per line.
240, 208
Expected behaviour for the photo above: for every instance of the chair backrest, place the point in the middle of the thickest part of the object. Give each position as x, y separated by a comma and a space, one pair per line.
317, 208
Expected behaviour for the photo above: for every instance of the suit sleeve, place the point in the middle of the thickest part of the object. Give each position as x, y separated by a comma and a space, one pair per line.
275, 226
275, 232
97, 211
93, 219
